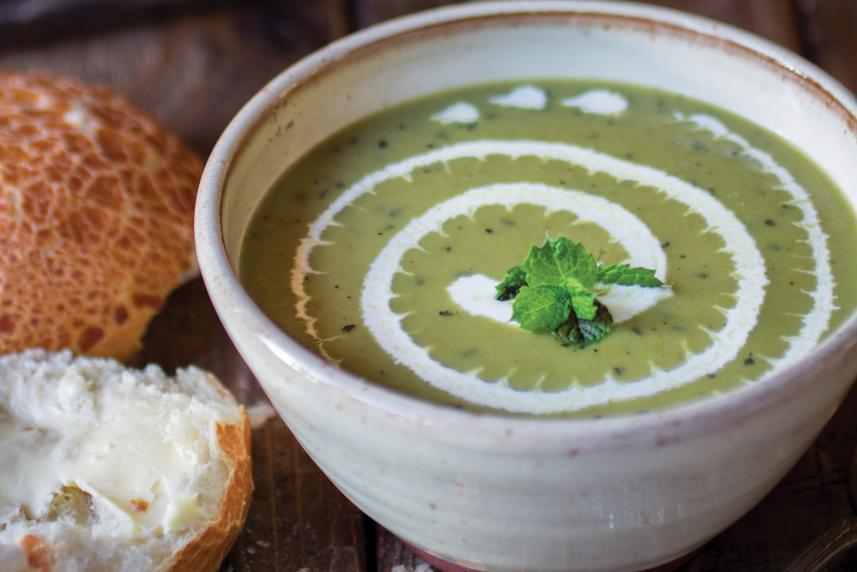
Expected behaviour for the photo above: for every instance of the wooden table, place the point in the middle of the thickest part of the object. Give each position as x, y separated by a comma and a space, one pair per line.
193, 64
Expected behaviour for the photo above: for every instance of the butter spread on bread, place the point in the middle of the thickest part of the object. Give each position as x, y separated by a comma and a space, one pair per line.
107, 468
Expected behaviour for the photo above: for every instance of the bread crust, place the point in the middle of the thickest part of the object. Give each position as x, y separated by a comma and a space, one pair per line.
207, 550
96, 217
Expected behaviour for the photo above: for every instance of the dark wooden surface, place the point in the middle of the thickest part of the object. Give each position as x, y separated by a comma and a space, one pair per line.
193, 64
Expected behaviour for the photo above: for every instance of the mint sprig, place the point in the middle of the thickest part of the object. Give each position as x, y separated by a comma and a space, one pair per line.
555, 290
625, 275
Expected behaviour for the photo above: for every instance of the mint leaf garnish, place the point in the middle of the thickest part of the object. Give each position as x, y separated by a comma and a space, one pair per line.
560, 262
574, 332
555, 290
597, 328
626, 275
514, 280
583, 303
541, 308
568, 332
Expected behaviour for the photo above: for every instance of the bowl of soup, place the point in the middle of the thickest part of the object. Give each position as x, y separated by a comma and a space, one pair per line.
356, 216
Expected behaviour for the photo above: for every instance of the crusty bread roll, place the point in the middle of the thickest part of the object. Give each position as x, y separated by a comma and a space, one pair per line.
103, 468
96, 211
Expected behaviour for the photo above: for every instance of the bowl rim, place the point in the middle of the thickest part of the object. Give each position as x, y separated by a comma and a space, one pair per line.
611, 431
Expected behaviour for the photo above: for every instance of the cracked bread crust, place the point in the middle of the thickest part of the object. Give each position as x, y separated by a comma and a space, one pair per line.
96, 217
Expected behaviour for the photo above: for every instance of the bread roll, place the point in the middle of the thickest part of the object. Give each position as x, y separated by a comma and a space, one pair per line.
96, 216
110, 469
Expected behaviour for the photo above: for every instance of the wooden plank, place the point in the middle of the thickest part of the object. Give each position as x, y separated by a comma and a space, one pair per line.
368, 12
193, 71
393, 556
774, 19
829, 35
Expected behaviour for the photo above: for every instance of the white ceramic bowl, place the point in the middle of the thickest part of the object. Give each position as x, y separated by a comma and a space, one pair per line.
500, 493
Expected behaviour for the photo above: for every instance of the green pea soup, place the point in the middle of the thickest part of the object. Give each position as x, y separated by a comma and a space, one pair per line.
380, 248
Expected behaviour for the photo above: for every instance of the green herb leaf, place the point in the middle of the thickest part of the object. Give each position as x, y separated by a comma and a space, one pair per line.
560, 262
555, 291
515, 279
583, 303
598, 327
541, 308
581, 333
626, 275
568, 332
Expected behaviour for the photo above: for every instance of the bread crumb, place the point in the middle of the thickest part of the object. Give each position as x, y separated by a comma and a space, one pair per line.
259, 413
421, 567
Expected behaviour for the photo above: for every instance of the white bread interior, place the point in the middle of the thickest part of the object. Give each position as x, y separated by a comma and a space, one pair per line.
106, 468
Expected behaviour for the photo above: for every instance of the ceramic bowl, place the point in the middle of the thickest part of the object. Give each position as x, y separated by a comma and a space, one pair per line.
499, 493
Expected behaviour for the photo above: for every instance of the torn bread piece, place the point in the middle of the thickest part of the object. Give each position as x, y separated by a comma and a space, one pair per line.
108, 468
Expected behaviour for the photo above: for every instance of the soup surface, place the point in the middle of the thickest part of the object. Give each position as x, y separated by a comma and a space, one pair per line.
381, 247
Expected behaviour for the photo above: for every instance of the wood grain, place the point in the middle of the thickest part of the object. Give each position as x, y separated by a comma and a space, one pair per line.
368, 12
391, 553
830, 27
774, 19
193, 71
